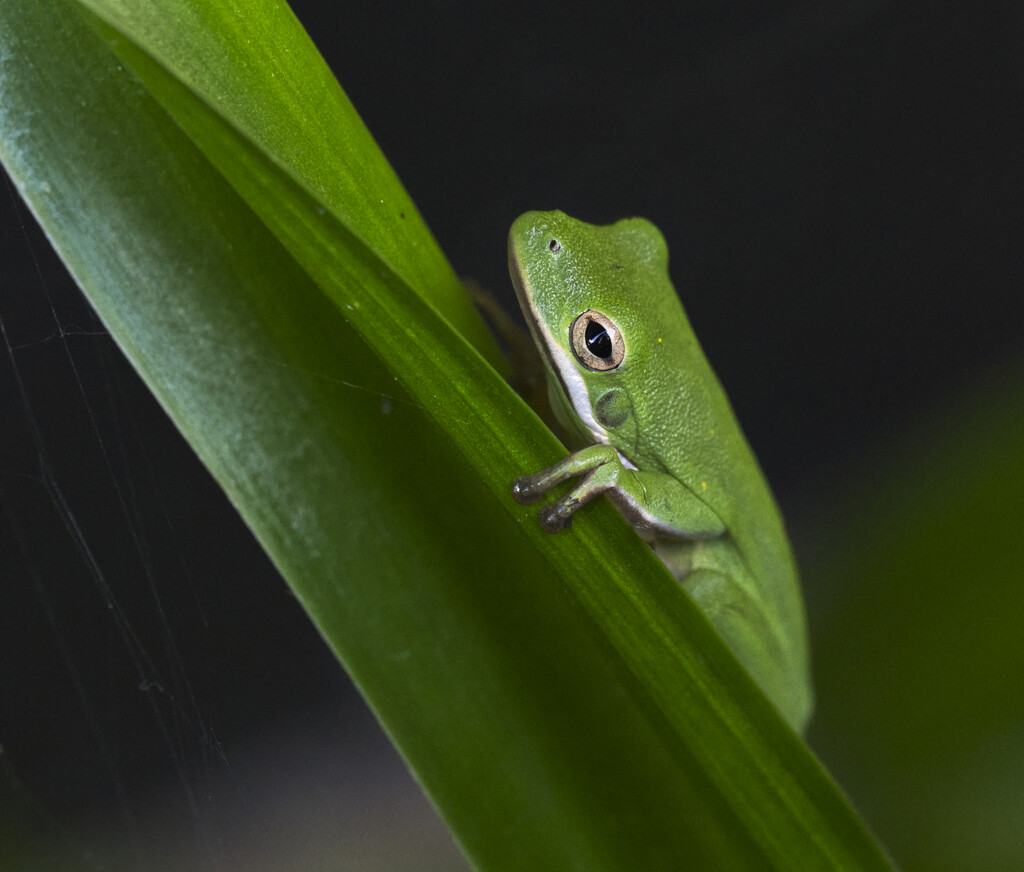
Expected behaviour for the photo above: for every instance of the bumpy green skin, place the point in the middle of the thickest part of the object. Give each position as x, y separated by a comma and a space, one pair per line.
664, 444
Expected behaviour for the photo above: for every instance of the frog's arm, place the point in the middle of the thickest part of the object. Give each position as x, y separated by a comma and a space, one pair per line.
652, 502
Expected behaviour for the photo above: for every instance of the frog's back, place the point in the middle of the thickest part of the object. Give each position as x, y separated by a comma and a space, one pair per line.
692, 433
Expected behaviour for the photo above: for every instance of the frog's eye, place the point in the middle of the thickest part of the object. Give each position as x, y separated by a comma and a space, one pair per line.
596, 341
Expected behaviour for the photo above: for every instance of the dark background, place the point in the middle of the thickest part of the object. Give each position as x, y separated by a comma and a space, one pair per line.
840, 184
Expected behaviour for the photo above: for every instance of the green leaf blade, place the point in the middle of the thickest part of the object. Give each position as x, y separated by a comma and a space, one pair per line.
259, 70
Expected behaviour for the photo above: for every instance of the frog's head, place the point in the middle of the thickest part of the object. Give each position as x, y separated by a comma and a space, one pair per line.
584, 292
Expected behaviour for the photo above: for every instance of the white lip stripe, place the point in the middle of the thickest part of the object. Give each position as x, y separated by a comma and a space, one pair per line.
575, 389
572, 382
625, 461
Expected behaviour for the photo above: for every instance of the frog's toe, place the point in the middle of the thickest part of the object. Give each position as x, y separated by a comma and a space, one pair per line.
556, 517
523, 491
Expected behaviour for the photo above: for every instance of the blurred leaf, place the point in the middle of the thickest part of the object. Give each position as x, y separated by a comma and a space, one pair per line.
561, 700
920, 651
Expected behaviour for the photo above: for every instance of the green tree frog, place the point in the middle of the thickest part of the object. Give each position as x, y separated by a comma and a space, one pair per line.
627, 375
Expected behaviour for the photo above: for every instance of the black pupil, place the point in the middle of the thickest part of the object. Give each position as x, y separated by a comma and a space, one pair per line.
599, 343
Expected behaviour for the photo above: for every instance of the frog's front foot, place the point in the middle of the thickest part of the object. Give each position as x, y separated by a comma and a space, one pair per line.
529, 489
